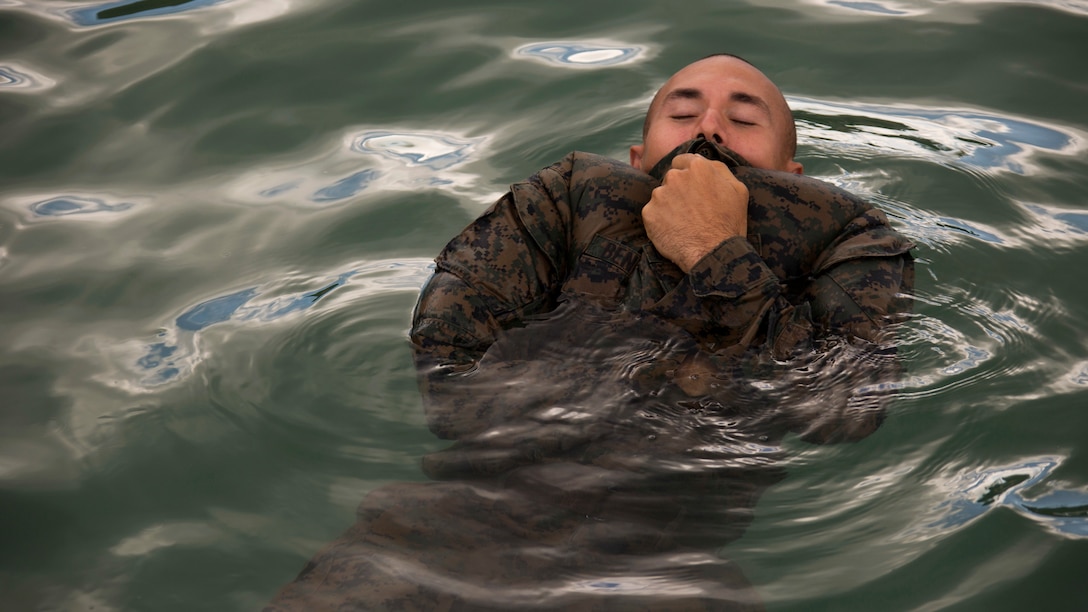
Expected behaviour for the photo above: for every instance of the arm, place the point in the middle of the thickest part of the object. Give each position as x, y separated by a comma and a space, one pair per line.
504, 267
827, 351
818, 265
823, 336
784, 265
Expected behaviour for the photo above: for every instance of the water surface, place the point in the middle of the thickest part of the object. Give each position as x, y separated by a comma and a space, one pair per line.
215, 217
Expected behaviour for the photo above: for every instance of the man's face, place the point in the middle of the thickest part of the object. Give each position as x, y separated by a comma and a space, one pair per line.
727, 101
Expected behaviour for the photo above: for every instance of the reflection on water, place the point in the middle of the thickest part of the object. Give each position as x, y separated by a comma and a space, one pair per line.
869, 7
977, 343
62, 206
1079, 7
581, 54
434, 150
981, 140
109, 12
69, 206
236, 306
951, 10
401, 160
1045, 227
1056, 228
975, 493
344, 188
173, 352
196, 387
16, 78
942, 232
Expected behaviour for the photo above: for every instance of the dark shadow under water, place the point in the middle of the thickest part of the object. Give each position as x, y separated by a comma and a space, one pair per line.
615, 460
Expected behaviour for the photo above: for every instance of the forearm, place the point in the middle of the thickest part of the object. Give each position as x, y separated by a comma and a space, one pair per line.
825, 343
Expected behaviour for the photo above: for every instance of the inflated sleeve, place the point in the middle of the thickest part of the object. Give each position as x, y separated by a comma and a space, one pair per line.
506, 266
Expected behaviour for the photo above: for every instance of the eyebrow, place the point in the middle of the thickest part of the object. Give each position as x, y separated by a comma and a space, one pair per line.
689, 93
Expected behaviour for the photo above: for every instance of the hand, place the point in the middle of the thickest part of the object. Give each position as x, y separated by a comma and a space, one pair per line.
698, 206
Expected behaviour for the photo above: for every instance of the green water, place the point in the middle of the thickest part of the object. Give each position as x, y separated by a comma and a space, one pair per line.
215, 217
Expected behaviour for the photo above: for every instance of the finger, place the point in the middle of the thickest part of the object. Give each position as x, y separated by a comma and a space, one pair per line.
684, 160
670, 175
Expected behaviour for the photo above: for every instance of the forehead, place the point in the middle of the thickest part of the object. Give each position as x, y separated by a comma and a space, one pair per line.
724, 74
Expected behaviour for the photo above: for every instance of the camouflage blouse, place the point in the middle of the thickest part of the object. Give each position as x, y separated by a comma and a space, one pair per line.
818, 264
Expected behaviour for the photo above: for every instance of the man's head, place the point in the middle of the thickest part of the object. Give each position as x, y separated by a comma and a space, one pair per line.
728, 101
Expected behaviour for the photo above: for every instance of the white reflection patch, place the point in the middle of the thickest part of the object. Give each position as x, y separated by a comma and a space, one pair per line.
18, 78
74, 205
962, 137
124, 10
1079, 374
83, 207
876, 8
1079, 7
957, 11
581, 54
976, 492
434, 150
1055, 227
370, 161
183, 533
209, 16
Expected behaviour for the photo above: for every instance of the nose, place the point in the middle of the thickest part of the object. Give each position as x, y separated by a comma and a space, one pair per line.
712, 129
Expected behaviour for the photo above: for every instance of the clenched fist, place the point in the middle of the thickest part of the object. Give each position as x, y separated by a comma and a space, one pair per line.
698, 205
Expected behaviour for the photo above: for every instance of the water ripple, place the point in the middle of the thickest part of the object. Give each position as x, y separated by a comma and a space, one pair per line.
870, 7
173, 353
63, 206
109, 12
18, 78
85, 207
956, 137
1077, 7
581, 54
342, 189
931, 9
1053, 228
392, 160
209, 16
925, 227
974, 341
433, 150
977, 492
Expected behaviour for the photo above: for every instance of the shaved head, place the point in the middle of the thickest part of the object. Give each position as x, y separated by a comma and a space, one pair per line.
724, 98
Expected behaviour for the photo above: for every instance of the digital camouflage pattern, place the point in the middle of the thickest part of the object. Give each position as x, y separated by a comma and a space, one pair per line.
615, 420
818, 263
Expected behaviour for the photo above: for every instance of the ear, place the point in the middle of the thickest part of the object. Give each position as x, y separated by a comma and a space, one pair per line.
636, 155
794, 167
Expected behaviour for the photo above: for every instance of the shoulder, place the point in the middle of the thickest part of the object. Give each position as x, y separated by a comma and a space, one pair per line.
803, 225
581, 178
785, 189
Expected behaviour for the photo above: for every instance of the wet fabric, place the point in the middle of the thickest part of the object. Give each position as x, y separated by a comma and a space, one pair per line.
604, 496
818, 263
614, 420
